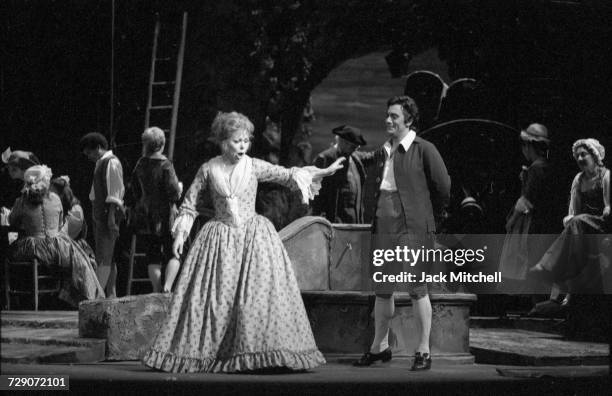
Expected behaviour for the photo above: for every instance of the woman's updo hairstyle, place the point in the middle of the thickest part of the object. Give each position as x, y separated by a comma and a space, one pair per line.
226, 124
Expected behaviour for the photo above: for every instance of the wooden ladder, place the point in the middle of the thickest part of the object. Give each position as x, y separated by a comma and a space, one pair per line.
154, 83
170, 131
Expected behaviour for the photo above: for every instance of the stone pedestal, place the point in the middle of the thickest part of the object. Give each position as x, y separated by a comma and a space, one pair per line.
129, 324
332, 265
343, 324
307, 241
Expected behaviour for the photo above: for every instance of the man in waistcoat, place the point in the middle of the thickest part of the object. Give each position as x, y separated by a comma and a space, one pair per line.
412, 190
106, 198
340, 198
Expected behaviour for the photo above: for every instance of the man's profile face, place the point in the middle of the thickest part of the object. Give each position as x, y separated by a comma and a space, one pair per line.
92, 154
396, 122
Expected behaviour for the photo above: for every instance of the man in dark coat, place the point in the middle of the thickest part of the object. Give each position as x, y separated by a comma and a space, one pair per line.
340, 199
411, 194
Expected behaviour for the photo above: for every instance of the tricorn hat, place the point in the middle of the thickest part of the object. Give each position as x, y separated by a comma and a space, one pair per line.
20, 159
350, 134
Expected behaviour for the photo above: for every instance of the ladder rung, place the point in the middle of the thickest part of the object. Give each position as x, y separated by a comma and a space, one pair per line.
164, 107
21, 292
164, 59
163, 82
140, 280
127, 255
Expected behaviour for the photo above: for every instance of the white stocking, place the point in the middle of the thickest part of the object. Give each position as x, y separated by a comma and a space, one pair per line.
384, 308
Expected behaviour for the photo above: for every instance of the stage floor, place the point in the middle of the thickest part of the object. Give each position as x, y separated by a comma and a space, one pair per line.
333, 379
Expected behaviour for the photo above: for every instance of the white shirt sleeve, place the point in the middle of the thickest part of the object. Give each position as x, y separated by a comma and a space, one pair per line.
114, 182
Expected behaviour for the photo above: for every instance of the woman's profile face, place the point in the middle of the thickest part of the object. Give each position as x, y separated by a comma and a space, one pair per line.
584, 159
237, 145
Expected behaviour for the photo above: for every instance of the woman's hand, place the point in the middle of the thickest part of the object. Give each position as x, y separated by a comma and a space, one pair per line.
177, 246
567, 219
606, 212
335, 167
318, 174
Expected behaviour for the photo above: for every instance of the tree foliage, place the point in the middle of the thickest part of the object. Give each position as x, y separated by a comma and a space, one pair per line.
264, 58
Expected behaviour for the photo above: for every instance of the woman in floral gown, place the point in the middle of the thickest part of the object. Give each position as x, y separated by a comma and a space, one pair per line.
237, 305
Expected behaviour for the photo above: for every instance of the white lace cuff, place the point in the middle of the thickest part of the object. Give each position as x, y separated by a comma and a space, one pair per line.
182, 225
308, 184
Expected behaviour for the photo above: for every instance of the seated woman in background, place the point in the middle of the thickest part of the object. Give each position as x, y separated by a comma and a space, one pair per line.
574, 258
74, 224
38, 215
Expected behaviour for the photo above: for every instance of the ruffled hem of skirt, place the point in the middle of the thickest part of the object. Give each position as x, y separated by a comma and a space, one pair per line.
170, 362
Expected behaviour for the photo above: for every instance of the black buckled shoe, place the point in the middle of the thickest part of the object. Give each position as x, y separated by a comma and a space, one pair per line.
422, 361
368, 358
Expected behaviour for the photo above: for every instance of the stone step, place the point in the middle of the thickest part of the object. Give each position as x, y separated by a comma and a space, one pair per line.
440, 358
531, 348
44, 354
49, 336
41, 319
544, 325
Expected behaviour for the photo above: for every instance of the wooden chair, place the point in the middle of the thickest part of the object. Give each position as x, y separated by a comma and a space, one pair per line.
35, 291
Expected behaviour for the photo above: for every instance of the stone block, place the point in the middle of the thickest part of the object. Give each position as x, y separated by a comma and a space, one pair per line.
307, 241
343, 323
129, 324
350, 257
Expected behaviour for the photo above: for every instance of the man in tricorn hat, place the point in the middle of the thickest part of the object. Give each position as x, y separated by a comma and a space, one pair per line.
340, 198
18, 161
16, 164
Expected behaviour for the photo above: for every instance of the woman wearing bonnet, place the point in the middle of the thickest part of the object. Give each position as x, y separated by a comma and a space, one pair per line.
237, 305
569, 261
38, 214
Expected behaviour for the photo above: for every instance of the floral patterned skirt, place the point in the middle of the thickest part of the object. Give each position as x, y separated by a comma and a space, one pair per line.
237, 306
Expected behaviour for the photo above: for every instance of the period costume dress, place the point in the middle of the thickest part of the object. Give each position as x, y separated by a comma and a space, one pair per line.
237, 305
76, 228
40, 238
575, 257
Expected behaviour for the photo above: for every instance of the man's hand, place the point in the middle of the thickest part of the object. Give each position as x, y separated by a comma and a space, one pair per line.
112, 225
